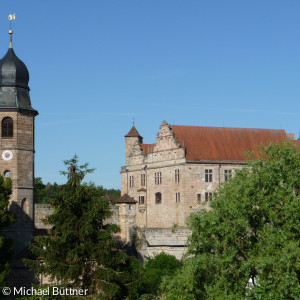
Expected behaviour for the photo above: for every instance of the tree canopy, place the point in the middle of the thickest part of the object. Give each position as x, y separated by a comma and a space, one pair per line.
46, 193
251, 233
155, 269
6, 218
81, 250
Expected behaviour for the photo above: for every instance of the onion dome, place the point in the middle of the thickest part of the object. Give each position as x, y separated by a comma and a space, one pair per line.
13, 71
14, 78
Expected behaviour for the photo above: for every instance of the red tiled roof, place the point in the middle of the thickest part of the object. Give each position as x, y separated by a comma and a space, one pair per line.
133, 133
147, 147
126, 199
223, 144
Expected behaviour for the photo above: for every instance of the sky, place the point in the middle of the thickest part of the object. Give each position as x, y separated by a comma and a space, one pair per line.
95, 65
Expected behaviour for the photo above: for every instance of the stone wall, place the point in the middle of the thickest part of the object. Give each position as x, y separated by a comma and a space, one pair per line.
20, 166
152, 241
41, 211
180, 195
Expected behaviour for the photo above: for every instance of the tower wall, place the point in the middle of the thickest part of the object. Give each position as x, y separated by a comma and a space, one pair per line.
129, 144
21, 167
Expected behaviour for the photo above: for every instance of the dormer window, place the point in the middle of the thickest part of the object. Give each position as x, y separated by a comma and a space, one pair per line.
7, 127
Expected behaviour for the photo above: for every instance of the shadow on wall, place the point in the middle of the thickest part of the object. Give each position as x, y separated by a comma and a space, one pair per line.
20, 232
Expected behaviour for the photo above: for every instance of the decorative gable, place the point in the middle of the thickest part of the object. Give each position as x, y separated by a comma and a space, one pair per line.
165, 139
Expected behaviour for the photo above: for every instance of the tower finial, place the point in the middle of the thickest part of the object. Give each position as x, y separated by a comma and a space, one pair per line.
133, 121
10, 18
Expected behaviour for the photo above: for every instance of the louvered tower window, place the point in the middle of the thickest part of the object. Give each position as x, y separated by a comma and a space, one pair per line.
7, 127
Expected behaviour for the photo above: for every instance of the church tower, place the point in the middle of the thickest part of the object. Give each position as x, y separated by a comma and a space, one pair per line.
17, 144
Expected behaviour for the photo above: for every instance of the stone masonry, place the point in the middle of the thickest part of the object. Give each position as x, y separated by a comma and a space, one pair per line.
177, 176
21, 168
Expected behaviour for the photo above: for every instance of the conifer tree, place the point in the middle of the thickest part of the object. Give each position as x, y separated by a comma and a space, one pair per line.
80, 250
6, 218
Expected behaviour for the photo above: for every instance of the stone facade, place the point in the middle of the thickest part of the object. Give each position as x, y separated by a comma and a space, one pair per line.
165, 170
41, 211
20, 167
178, 175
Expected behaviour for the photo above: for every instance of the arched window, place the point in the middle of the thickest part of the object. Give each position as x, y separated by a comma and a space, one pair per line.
7, 173
7, 127
158, 198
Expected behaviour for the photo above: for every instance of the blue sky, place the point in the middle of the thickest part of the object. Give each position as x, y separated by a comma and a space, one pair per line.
94, 65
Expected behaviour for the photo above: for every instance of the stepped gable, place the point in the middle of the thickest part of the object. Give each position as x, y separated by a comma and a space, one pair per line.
208, 144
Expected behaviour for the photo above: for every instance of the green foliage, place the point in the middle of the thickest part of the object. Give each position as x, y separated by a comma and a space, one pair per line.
6, 218
155, 268
80, 250
252, 231
113, 194
46, 193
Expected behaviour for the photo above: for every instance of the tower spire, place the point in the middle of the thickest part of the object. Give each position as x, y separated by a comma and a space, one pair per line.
10, 18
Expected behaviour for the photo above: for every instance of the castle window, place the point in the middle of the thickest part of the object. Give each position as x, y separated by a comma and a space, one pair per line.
227, 174
143, 179
7, 173
7, 127
157, 178
177, 178
208, 196
177, 196
131, 181
208, 175
199, 198
157, 198
141, 200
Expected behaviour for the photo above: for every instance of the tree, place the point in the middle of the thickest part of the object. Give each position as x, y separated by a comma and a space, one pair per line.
45, 193
6, 218
80, 250
252, 232
155, 268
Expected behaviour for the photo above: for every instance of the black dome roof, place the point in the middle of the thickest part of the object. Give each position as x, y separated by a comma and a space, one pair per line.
14, 78
13, 72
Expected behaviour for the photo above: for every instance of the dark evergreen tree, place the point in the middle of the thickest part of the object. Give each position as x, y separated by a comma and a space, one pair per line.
6, 218
80, 250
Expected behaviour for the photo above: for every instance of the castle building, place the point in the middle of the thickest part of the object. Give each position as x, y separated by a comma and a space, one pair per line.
179, 173
17, 144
